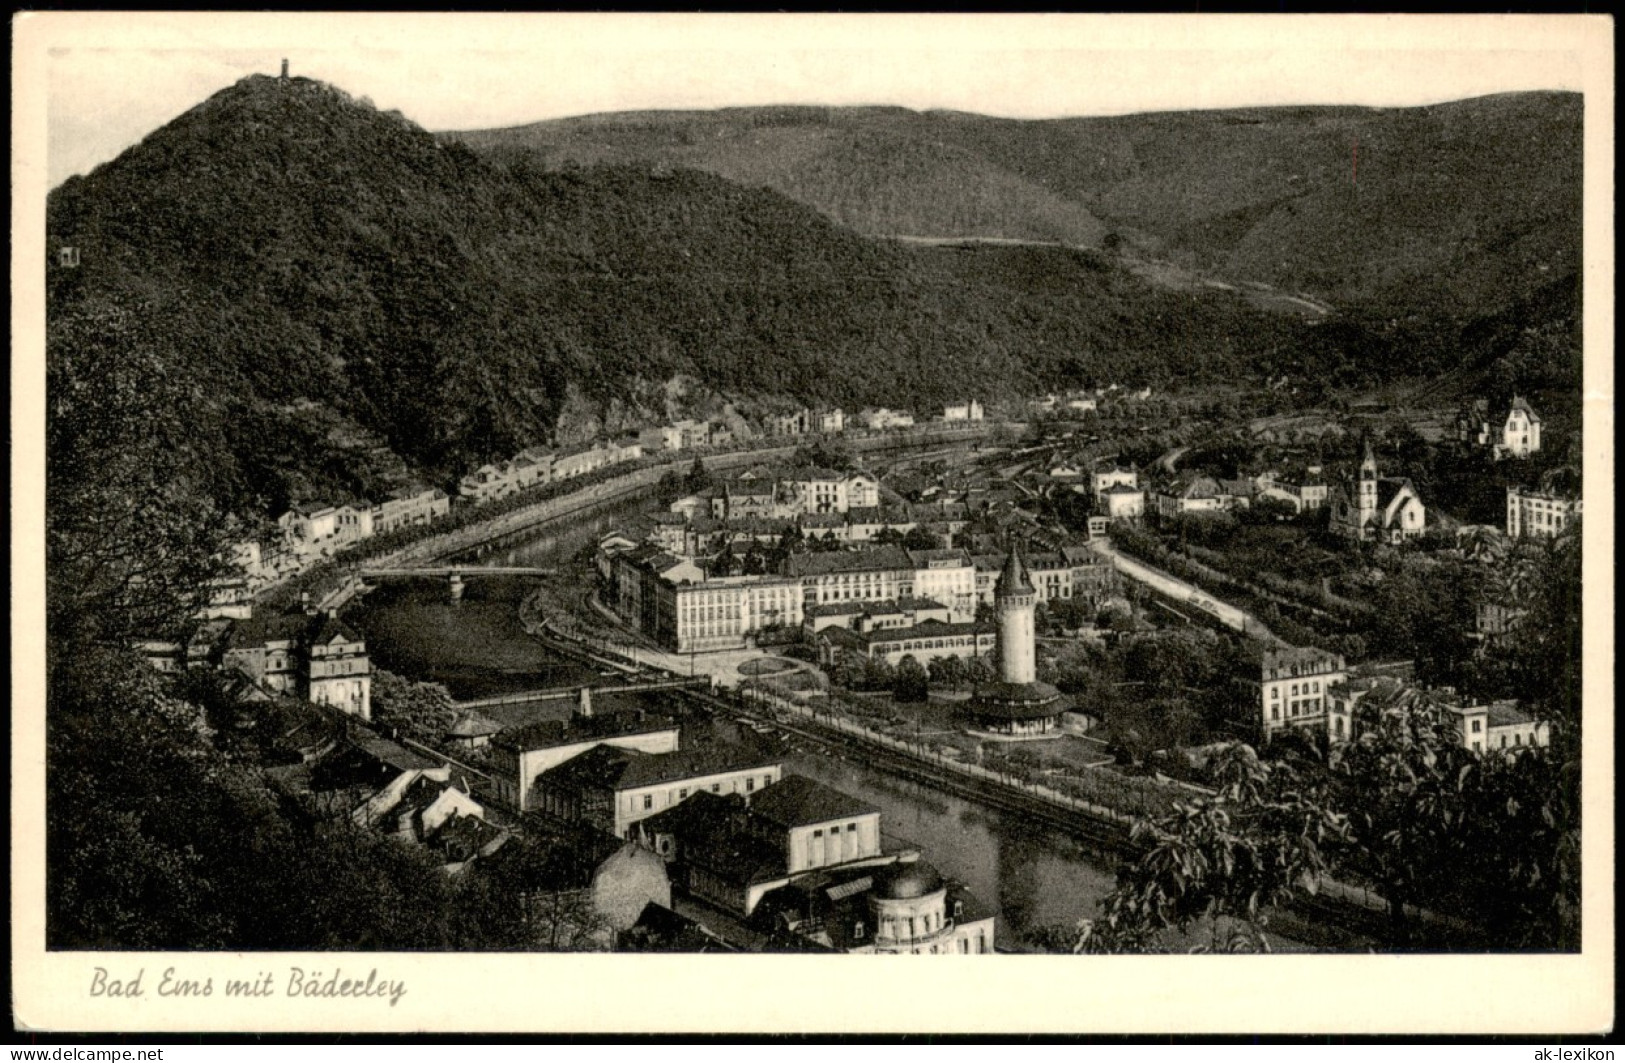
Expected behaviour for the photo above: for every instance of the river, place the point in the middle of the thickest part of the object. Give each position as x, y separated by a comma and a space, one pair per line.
1034, 876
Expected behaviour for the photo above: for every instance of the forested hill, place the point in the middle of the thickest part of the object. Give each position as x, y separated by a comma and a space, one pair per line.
1458, 208
283, 244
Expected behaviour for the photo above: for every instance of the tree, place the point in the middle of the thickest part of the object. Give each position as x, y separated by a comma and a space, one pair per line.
911, 682
1261, 840
876, 673
134, 784
725, 563
919, 538
699, 477
420, 711
546, 886
789, 542
1436, 823
1268, 509
947, 672
133, 535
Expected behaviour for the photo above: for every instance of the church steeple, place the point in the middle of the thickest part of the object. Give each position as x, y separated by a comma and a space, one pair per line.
1368, 484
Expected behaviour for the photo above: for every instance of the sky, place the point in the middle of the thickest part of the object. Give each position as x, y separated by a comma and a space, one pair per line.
111, 79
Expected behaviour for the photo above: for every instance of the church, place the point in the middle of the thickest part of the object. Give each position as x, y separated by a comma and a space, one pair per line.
1017, 705
1377, 509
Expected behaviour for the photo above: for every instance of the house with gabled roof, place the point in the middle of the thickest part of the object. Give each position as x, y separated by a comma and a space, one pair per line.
614, 788
1189, 494
1514, 433
338, 671
519, 755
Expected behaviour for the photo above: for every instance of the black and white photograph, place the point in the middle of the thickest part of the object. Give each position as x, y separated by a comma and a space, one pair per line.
612, 496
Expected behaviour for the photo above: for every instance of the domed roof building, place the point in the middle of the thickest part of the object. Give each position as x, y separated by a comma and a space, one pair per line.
1017, 705
909, 905
908, 880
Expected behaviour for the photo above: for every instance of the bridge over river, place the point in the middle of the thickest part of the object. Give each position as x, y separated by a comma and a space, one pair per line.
456, 576
448, 571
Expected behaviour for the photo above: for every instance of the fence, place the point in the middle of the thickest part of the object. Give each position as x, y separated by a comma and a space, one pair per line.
917, 751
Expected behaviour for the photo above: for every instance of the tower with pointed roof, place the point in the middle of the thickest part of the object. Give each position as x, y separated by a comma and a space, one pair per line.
1016, 705
1368, 486
1016, 601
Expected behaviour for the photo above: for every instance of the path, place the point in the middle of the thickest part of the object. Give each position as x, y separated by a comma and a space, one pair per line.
1180, 591
1168, 460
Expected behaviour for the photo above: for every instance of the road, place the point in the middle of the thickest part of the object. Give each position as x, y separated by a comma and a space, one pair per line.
1180, 591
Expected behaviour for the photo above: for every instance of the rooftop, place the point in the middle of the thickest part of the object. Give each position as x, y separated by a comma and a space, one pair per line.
629, 769
713, 832
796, 801
1017, 701
547, 734
877, 559
1013, 579
390, 754
1507, 714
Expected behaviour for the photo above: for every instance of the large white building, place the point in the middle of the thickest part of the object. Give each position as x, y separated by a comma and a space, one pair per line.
1539, 514
946, 576
1292, 687
615, 788
671, 600
1102, 480
1500, 727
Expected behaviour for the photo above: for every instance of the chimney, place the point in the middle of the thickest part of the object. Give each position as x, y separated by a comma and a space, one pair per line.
584, 709
284, 70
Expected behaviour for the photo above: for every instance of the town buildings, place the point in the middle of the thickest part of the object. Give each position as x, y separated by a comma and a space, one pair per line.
878, 420
1492, 728
315, 656
804, 866
1189, 494
966, 411
806, 421
1070, 572
1500, 727
925, 641
1121, 502
408, 506
612, 788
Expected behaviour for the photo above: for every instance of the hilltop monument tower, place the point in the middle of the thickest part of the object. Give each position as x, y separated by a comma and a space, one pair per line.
1016, 705
284, 70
